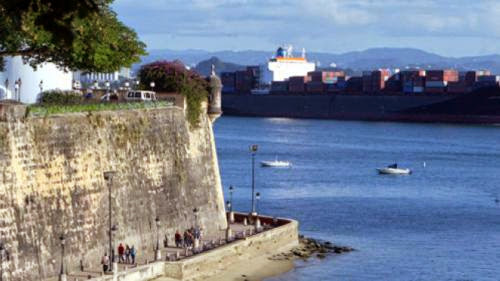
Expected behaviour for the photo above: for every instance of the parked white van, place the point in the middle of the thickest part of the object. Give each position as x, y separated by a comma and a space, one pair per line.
140, 96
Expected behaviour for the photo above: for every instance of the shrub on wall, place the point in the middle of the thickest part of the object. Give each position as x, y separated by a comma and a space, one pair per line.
173, 76
55, 97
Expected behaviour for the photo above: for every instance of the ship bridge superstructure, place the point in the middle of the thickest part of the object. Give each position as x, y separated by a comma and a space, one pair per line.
285, 65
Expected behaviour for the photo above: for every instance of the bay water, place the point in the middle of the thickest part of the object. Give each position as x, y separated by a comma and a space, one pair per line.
440, 223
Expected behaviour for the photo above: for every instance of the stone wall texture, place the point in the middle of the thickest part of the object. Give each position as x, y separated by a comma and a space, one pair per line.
51, 182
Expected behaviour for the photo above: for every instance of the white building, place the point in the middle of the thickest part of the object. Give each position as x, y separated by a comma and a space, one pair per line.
21, 82
284, 65
91, 77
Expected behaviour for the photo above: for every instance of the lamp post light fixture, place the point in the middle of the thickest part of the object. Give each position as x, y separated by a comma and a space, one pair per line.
152, 85
40, 85
253, 150
62, 275
108, 176
127, 85
96, 85
157, 251
137, 83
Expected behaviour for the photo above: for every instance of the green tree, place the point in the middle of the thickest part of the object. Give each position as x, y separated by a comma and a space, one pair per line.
172, 76
75, 34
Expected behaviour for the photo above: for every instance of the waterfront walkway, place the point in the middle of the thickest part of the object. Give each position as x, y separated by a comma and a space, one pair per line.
238, 228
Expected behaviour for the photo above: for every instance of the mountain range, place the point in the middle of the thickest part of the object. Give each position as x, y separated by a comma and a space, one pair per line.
357, 61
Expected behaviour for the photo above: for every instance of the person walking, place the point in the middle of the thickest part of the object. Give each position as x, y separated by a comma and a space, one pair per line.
186, 239
127, 254
178, 239
132, 254
105, 262
121, 253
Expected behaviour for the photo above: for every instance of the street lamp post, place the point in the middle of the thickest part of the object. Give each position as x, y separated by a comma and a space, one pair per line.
108, 176
62, 275
253, 151
157, 251
137, 83
229, 234
152, 85
40, 85
196, 229
127, 85
16, 89
230, 205
257, 220
195, 212
96, 85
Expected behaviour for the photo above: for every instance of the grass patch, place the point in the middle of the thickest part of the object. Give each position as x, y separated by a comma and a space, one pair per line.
50, 109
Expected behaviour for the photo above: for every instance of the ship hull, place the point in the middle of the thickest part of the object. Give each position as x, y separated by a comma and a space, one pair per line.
481, 106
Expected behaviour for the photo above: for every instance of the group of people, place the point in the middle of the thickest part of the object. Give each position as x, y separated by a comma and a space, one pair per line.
187, 239
126, 255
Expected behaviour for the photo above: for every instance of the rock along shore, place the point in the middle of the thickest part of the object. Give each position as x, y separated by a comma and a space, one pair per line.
309, 247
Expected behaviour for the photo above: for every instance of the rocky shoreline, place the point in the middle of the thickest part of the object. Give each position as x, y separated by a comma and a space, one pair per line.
309, 247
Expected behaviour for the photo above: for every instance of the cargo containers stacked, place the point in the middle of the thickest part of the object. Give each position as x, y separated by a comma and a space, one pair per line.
457, 87
254, 72
412, 81
470, 78
367, 82
378, 79
354, 84
244, 81
374, 81
228, 81
327, 77
315, 87
297, 84
279, 87
437, 80
487, 81
331, 77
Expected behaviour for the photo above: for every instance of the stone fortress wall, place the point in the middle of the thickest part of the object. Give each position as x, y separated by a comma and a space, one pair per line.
51, 182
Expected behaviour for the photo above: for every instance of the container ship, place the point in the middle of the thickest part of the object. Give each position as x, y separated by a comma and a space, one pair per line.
289, 86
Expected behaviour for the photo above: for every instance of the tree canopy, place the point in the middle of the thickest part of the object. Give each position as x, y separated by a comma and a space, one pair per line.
75, 34
173, 76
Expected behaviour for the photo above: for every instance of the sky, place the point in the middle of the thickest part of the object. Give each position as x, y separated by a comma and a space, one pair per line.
446, 27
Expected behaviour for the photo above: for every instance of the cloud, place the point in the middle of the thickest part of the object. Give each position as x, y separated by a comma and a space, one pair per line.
324, 25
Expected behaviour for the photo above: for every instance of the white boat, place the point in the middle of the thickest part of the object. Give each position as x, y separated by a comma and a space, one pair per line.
275, 163
393, 170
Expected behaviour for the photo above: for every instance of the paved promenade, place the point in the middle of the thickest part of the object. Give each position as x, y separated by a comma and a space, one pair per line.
238, 229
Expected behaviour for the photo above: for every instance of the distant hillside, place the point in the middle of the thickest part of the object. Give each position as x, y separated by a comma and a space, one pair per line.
205, 67
359, 60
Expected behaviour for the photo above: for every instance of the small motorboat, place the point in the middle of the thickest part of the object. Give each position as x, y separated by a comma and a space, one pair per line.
276, 163
393, 170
